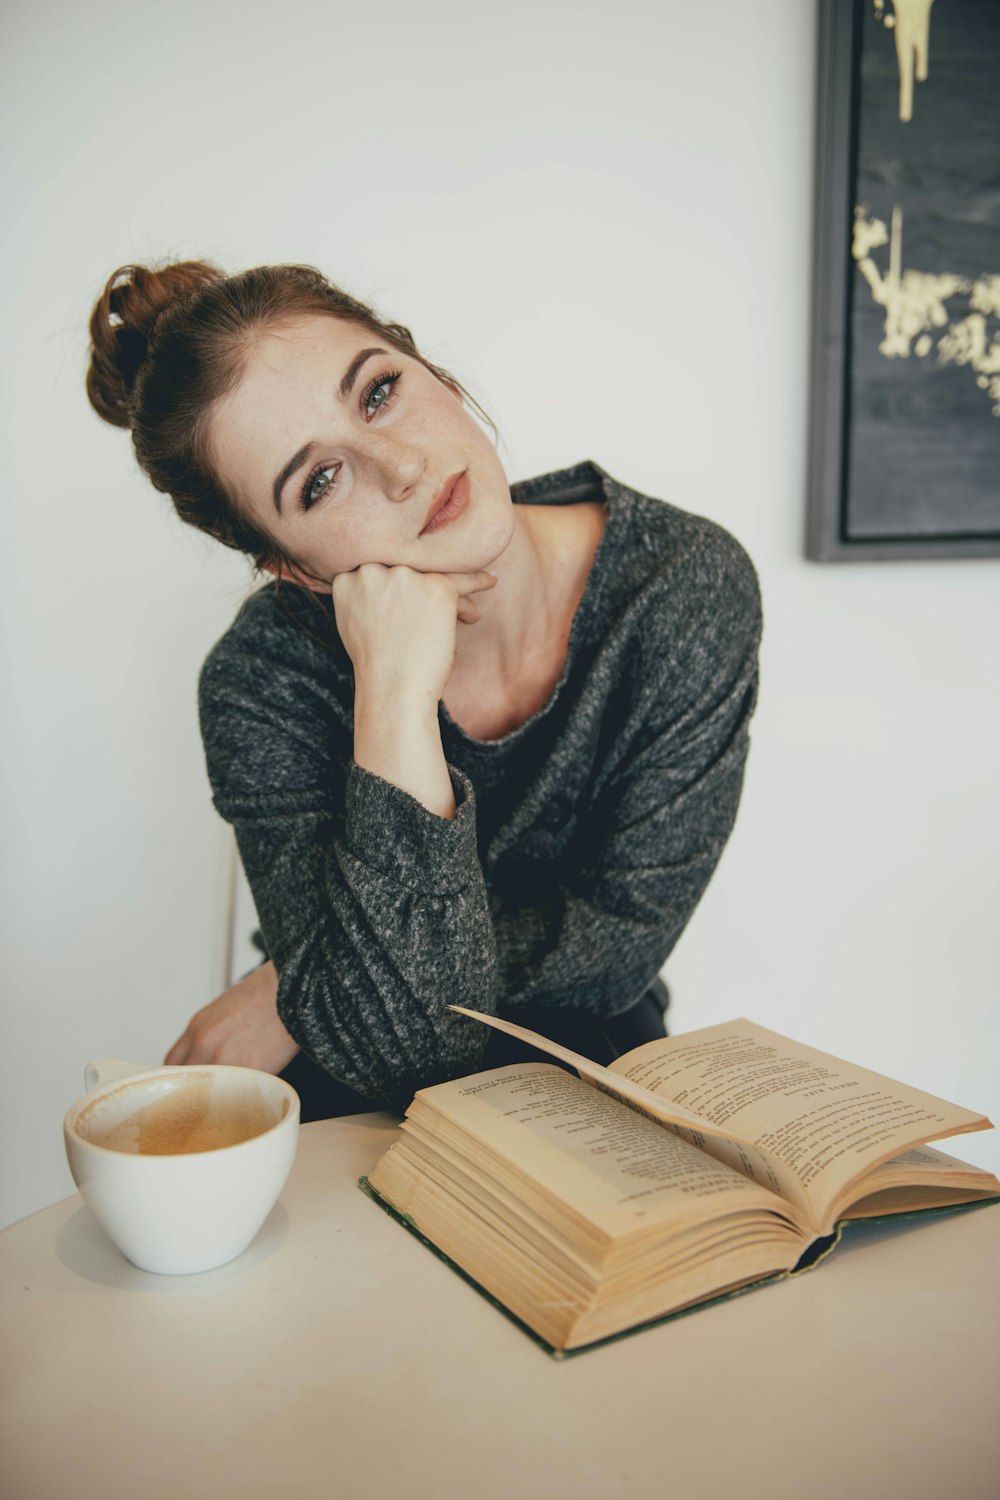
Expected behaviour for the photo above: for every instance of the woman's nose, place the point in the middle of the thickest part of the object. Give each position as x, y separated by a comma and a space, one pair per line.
403, 471
403, 488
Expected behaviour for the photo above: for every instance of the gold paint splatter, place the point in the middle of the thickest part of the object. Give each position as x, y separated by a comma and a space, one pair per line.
969, 343
915, 306
986, 295
910, 23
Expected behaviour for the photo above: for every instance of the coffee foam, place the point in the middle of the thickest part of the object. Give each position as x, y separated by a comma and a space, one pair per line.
190, 1116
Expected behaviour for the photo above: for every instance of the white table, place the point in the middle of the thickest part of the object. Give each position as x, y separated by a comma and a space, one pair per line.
338, 1356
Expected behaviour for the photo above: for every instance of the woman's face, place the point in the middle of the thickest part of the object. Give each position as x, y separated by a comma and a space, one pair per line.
337, 446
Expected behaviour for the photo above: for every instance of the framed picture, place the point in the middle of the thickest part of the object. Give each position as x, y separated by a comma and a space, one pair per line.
905, 403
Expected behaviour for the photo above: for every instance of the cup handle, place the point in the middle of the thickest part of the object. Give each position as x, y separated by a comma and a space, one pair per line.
111, 1070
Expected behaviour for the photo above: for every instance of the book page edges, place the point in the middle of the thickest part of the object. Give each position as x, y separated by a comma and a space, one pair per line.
859, 1186
812, 1256
536, 1338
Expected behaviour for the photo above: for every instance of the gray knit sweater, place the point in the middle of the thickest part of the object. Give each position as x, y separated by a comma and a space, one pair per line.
582, 840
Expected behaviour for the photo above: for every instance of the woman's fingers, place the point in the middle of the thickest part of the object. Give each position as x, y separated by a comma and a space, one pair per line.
468, 584
240, 1027
179, 1052
398, 624
471, 583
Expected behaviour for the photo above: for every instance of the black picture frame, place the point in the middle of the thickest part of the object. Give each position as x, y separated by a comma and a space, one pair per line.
865, 459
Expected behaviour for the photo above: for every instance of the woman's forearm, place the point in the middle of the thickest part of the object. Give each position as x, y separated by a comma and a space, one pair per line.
397, 736
398, 626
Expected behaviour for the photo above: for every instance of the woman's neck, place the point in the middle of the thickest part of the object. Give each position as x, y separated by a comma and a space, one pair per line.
518, 615
520, 643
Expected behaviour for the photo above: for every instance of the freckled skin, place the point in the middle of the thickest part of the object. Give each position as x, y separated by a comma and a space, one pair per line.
398, 597
386, 461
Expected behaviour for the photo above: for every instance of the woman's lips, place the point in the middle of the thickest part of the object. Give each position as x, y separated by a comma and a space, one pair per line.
455, 503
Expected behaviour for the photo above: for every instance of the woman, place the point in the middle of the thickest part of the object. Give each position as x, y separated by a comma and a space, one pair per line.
481, 744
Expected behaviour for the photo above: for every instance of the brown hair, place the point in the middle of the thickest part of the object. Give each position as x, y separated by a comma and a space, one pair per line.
168, 342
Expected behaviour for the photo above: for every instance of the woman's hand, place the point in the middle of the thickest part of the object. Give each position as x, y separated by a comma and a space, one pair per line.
241, 1027
399, 626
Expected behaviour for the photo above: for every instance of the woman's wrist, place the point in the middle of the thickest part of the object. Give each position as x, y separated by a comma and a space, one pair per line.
397, 736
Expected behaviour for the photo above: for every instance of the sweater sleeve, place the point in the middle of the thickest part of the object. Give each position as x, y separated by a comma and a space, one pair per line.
373, 909
649, 838
376, 911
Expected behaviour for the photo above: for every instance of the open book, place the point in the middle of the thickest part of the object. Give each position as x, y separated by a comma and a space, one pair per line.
693, 1166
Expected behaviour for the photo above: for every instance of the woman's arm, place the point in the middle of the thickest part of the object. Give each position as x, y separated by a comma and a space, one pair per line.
399, 628
599, 926
382, 614
379, 916
372, 905
376, 922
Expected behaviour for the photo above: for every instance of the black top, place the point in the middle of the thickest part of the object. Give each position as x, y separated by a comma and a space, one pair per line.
582, 840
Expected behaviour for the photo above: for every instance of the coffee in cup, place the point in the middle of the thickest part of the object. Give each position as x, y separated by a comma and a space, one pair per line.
181, 1165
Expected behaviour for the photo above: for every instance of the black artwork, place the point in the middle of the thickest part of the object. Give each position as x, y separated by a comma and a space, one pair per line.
905, 442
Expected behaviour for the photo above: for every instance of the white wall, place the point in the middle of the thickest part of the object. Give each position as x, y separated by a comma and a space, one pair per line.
599, 218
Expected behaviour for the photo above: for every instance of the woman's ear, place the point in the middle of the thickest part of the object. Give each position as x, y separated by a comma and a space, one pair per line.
291, 571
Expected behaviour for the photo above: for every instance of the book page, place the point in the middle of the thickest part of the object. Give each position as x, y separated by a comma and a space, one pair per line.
827, 1120
920, 1178
718, 1139
587, 1150
639, 1097
924, 1160
576, 1214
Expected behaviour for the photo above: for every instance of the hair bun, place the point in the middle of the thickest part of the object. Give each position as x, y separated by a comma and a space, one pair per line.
122, 324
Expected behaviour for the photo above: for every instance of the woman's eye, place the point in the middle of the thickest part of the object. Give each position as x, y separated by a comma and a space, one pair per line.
376, 395
379, 391
381, 387
317, 485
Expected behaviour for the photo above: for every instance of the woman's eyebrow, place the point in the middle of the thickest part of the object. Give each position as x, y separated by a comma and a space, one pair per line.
346, 386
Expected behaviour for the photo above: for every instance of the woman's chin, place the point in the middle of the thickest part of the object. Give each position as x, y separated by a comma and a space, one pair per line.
469, 548
490, 541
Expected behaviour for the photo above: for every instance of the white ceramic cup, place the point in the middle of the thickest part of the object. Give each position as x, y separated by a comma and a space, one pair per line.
181, 1165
